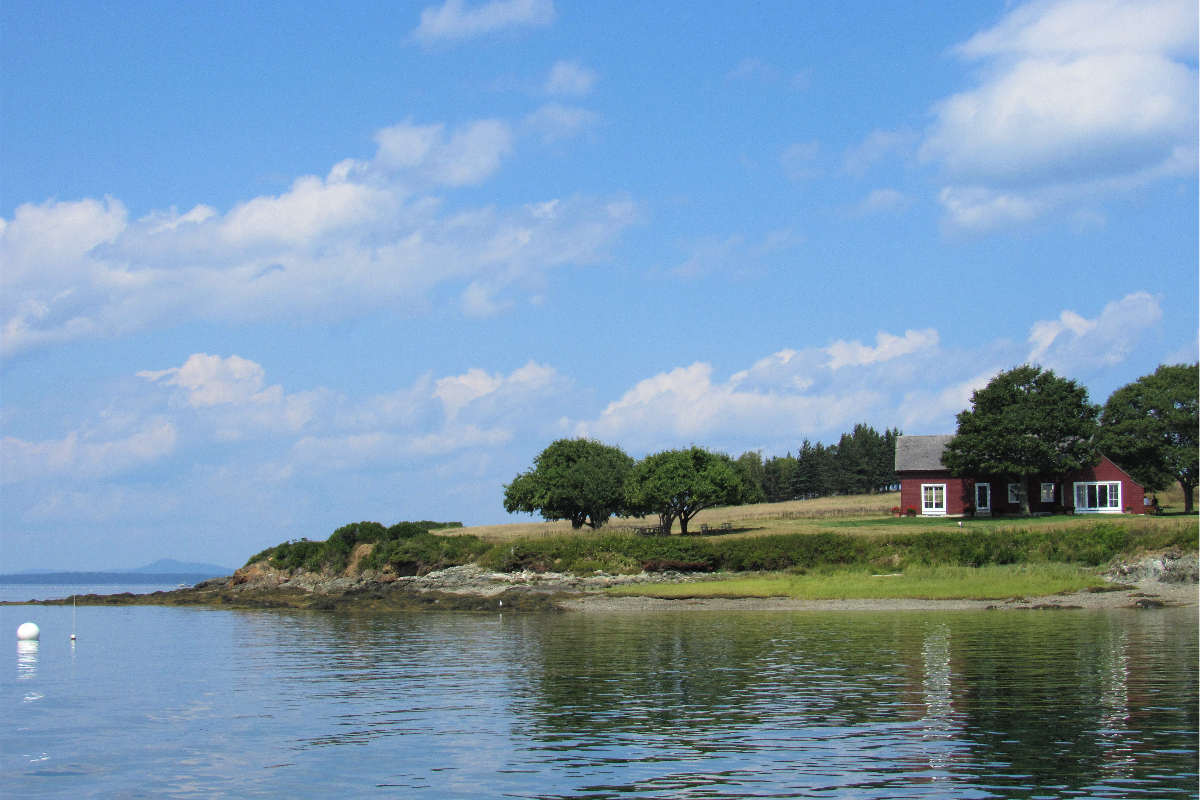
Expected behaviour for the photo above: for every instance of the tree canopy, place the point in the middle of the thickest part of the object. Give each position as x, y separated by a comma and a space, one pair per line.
862, 461
577, 479
678, 484
1149, 428
1025, 422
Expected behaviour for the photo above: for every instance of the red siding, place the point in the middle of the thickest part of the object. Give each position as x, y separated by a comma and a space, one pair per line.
1132, 493
960, 491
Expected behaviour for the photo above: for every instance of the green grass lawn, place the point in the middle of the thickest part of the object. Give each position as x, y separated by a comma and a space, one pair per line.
923, 583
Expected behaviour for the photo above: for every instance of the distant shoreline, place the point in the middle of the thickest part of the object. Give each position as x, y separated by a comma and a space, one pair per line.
470, 589
114, 578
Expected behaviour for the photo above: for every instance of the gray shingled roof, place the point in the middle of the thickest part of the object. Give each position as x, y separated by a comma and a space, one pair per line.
920, 452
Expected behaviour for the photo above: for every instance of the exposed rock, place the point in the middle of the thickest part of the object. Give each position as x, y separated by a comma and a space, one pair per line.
214, 583
259, 575
1171, 566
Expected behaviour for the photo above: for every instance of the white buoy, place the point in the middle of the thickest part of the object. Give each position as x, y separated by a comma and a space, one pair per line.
28, 632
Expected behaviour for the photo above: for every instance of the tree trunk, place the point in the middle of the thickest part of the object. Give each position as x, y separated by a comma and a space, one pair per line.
1026, 484
683, 521
1187, 486
666, 521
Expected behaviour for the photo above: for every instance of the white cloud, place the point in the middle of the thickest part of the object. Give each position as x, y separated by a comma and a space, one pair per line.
880, 144
210, 380
218, 407
470, 155
926, 410
455, 20
455, 392
571, 78
1188, 354
368, 236
685, 405
555, 122
1074, 344
1080, 27
780, 399
87, 456
881, 200
1077, 99
887, 347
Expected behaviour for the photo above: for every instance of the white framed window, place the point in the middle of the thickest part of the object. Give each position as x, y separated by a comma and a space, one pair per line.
1047, 492
983, 497
933, 499
1015, 491
1100, 497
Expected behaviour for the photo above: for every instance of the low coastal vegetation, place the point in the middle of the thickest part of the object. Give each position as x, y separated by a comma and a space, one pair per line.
407, 548
830, 557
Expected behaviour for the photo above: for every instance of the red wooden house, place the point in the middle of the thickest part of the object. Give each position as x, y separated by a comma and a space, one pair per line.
927, 486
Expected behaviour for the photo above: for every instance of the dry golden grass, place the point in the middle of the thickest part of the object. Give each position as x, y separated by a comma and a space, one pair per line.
763, 515
866, 515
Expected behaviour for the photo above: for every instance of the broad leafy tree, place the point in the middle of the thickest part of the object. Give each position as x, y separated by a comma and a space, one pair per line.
577, 479
1149, 428
678, 484
1026, 422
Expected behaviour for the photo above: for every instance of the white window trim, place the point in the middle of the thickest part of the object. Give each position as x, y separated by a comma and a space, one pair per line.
925, 512
987, 507
1119, 508
1042, 494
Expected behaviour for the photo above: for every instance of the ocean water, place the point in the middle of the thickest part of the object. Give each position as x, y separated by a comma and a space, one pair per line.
20, 592
153, 702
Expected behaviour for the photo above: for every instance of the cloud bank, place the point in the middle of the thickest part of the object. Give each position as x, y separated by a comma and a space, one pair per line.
371, 234
1076, 100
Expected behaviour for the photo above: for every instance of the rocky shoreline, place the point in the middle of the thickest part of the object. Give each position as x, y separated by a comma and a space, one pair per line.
1154, 581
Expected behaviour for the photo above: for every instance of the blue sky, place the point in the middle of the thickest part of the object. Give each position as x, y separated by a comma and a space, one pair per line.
271, 269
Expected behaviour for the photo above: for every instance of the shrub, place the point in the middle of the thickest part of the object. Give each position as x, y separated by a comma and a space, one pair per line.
333, 554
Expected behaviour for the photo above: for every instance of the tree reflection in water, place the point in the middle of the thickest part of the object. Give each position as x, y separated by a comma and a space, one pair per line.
1005, 701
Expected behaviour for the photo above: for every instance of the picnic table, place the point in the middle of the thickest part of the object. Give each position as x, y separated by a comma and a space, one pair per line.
651, 530
726, 527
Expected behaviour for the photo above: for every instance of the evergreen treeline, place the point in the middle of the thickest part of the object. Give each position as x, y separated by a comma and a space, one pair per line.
862, 461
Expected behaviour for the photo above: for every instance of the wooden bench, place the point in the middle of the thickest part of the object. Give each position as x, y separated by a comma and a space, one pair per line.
651, 530
726, 527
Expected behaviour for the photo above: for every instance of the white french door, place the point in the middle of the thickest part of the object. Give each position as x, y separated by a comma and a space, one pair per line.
1098, 498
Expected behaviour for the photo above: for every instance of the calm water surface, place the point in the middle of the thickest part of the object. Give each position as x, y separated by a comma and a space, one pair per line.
20, 592
203, 702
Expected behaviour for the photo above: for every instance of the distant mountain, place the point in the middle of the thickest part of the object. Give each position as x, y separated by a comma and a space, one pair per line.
104, 579
169, 566
164, 567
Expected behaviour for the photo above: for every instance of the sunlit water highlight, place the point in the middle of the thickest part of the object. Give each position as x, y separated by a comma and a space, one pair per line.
203, 702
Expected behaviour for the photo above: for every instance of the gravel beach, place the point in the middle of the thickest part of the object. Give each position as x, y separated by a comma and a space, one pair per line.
1148, 594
